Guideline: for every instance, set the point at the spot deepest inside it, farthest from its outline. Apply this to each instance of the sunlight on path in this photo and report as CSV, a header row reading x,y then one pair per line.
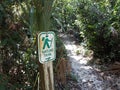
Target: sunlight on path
x,y
87,78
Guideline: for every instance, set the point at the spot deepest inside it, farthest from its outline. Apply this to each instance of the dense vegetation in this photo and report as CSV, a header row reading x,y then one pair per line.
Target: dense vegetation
x,y
96,21
20,22
19,68
100,23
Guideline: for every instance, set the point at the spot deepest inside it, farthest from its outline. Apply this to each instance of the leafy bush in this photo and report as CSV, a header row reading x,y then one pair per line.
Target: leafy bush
x,y
99,23
19,22
18,68
64,14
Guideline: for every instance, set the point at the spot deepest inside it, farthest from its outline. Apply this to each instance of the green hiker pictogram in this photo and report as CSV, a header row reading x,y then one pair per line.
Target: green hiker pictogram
x,y
47,46
46,42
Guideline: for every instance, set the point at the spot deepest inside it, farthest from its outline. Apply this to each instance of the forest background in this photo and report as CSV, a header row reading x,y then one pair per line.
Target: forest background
x,y
96,23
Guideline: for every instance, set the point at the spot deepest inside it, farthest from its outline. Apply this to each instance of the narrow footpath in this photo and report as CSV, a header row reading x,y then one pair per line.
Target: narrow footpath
x,y
87,76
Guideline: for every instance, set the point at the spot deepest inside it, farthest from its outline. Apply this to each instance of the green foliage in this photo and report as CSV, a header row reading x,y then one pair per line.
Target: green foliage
x,y
20,21
99,23
64,14
18,67
73,77
3,82
78,52
61,51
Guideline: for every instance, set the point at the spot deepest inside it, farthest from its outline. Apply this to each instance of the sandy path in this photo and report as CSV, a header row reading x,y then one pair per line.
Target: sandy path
x,y
87,77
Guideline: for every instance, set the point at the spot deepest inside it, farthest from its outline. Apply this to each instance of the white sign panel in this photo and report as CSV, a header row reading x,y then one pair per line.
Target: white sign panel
x,y
46,46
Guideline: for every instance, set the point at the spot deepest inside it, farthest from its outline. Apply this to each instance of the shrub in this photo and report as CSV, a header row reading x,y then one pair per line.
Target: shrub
x,y
100,25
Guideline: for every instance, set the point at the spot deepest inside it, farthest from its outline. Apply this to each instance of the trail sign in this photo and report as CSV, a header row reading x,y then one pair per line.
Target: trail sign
x,y
46,46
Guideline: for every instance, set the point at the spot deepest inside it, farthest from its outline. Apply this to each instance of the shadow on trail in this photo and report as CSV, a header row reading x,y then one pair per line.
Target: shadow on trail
x,y
88,78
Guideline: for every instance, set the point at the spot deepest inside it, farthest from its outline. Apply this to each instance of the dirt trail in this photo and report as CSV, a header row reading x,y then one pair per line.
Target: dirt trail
x,y
88,78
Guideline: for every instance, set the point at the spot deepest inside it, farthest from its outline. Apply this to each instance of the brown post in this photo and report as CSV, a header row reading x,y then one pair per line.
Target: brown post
x,y
42,16
46,76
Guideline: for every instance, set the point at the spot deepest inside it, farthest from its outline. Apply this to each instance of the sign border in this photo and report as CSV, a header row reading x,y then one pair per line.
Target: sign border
x,y
39,54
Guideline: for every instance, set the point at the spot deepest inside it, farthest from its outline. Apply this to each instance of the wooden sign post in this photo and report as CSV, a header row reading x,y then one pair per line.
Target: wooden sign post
x,y
47,53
